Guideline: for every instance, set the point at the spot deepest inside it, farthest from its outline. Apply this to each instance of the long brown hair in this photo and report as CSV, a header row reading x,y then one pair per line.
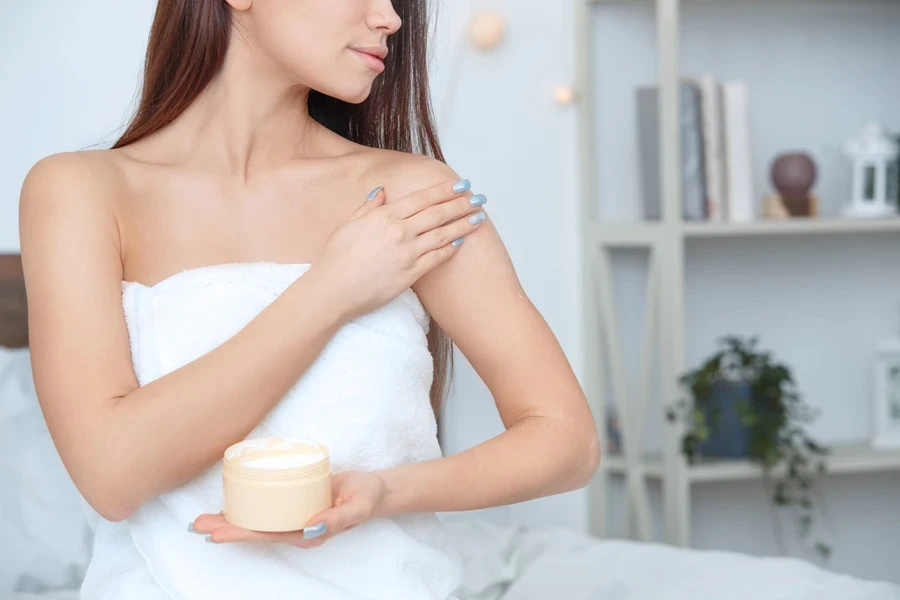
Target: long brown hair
x,y
186,49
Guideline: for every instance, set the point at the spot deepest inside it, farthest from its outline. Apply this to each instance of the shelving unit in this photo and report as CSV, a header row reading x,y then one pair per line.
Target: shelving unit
x,y
663,338
644,234
854,458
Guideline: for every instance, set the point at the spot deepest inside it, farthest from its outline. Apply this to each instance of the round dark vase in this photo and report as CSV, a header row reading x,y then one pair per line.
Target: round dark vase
x,y
793,175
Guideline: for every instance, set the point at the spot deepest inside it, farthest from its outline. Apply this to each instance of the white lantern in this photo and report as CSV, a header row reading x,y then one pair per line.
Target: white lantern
x,y
874,156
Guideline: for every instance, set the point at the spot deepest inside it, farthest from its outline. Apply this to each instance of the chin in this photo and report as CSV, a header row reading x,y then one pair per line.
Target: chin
x,y
356,96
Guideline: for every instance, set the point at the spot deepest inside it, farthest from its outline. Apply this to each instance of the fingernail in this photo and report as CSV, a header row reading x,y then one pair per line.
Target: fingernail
x,y
314,530
457,242
210,540
476,218
191,528
374,193
461,186
477,200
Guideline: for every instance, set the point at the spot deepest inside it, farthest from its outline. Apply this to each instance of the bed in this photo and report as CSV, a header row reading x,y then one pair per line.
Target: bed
x,y
45,542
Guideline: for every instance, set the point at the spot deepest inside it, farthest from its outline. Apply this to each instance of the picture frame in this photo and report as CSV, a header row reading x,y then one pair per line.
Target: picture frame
x,y
886,426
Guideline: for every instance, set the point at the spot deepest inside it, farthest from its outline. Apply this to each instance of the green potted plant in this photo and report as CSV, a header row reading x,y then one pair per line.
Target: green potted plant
x,y
745,404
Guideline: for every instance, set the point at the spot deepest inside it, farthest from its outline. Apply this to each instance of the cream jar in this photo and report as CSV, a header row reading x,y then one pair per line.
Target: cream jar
x,y
275,484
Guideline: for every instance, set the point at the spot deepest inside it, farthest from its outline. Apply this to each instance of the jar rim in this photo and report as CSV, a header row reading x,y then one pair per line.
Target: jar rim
x,y
237,454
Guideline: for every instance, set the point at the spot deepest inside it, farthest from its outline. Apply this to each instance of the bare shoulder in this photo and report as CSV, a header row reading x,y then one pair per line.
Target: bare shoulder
x,y
70,192
71,178
402,173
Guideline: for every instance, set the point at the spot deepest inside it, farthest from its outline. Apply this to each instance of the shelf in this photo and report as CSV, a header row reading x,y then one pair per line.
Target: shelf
x,y
665,36
627,234
637,234
795,226
651,466
858,458
601,2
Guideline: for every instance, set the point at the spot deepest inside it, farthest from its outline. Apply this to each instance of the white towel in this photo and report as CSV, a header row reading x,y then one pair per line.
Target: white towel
x,y
365,397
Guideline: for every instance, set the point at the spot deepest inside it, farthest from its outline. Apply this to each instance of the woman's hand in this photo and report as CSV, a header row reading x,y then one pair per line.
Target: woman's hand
x,y
357,496
384,248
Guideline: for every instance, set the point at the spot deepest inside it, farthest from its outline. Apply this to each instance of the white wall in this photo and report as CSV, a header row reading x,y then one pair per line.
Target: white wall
x,y
69,72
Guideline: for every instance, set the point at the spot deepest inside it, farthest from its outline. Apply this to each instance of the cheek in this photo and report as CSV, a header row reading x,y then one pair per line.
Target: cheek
x,y
293,35
309,39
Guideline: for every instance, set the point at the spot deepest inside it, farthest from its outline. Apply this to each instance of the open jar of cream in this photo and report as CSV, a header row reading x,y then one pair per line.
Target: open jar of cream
x,y
275,484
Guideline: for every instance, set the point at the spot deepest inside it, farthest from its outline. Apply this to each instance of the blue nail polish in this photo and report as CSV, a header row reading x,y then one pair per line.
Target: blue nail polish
x,y
210,540
457,242
476,218
477,200
191,528
374,193
314,530
461,186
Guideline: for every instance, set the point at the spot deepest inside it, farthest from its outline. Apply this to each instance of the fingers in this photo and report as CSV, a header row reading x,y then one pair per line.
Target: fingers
x,y
344,515
438,245
440,237
373,200
433,258
220,531
208,522
348,510
439,214
233,533
422,199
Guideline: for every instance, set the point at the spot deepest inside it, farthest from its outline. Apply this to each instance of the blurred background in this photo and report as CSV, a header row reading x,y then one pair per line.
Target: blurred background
x,y
663,175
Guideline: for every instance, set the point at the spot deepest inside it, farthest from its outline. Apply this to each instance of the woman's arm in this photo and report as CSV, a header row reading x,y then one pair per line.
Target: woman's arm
x,y
550,444
122,443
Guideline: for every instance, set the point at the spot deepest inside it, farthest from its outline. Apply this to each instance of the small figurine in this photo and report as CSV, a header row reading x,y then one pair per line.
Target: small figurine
x,y
793,175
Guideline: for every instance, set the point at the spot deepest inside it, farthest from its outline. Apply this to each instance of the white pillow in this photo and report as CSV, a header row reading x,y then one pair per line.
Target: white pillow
x,y
45,539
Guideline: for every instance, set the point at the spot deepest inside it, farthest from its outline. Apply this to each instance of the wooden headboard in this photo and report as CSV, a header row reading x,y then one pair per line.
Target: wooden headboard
x,y
13,309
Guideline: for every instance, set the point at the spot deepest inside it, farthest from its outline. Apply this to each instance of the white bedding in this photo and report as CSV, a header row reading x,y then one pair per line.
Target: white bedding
x,y
58,595
520,563
43,545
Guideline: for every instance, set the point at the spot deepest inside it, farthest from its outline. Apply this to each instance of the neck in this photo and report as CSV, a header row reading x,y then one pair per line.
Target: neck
x,y
250,118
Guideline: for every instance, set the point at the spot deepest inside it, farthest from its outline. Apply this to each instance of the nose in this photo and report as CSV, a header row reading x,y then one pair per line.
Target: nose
x,y
383,16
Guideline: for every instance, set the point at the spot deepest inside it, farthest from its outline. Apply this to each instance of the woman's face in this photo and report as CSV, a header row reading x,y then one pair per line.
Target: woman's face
x,y
323,44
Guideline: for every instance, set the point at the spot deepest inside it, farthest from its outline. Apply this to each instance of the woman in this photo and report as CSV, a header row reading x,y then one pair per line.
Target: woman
x,y
229,224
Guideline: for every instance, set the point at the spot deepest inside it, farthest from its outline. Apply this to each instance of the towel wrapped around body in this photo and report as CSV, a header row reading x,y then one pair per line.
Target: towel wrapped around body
x,y
365,397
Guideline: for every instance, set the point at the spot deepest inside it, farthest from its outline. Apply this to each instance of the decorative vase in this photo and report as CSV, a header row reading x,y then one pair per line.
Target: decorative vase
x,y
728,436
793,175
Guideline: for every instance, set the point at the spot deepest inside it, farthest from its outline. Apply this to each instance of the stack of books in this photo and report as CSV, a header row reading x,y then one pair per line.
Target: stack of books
x,y
716,170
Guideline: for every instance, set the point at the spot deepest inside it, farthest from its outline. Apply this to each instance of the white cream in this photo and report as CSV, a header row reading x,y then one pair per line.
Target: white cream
x,y
281,461
276,453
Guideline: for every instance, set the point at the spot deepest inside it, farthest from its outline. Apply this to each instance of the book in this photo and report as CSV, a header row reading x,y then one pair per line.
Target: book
x,y
713,146
693,176
739,186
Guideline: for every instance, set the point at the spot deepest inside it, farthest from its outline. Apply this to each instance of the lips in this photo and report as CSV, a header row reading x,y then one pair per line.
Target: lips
x,y
379,52
372,57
